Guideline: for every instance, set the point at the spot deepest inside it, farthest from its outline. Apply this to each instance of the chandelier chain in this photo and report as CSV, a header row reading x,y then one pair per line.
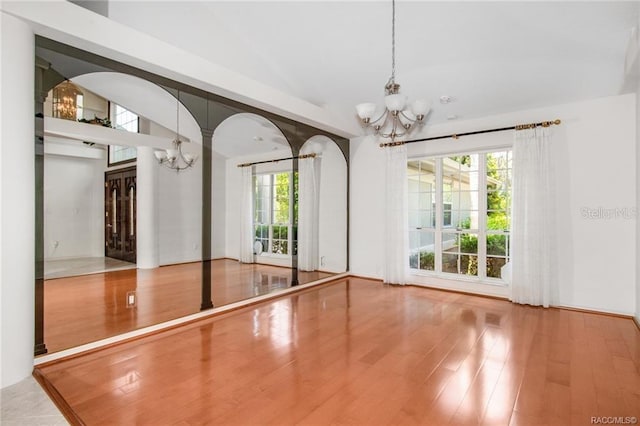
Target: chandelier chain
x,y
178,116
396,120
393,41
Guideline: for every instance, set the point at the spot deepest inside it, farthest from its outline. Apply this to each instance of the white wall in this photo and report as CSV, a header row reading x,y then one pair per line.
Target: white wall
x,y
218,206
637,199
332,210
17,205
179,207
73,207
596,167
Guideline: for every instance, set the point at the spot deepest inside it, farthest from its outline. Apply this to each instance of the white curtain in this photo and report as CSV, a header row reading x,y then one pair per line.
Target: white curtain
x,y
308,204
533,269
396,241
246,215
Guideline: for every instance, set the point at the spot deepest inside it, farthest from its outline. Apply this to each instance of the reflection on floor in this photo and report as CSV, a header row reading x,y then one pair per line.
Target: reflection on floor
x,y
87,308
59,268
361,353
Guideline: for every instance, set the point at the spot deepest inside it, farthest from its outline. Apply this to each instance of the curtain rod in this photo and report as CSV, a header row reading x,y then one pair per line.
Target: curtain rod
x,y
299,157
457,135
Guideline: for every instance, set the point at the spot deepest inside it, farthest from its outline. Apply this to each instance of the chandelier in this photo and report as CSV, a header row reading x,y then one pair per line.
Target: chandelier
x,y
174,158
65,100
395,121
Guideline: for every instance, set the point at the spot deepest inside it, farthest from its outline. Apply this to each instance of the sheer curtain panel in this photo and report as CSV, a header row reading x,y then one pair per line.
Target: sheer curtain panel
x,y
246,216
533,273
308,204
396,226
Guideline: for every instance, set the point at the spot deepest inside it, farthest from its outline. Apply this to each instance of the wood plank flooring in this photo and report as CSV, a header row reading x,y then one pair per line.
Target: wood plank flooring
x,y
87,308
360,353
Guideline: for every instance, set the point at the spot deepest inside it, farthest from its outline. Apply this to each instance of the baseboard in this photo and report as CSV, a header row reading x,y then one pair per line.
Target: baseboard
x,y
593,311
466,293
364,277
637,321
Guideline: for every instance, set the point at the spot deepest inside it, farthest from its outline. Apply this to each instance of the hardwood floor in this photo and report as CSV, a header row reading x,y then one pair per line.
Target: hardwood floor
x,y
87,308
358,352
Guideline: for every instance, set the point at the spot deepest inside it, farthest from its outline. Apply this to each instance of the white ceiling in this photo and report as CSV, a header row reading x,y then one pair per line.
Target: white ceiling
x,y
237,136
491,57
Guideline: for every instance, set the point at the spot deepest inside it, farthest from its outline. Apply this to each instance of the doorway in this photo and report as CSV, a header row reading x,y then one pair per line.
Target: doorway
x,y
120,214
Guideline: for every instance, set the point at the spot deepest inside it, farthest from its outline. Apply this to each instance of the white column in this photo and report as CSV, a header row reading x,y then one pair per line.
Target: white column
x,y
637,316
17,204
147,205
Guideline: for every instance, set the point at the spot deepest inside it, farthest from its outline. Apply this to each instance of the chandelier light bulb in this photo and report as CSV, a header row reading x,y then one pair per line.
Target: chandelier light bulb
x,y
366,110
172,154
420,107
395,102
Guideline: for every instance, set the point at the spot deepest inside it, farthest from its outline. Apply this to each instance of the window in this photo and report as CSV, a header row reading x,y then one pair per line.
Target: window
x,y
123,119
79,107
459,213
273,210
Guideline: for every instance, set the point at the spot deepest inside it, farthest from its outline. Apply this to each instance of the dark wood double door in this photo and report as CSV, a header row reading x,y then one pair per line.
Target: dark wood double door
x,y
120,214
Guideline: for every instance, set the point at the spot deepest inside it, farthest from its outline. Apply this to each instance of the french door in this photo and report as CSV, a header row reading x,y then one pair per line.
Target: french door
x,y
120,214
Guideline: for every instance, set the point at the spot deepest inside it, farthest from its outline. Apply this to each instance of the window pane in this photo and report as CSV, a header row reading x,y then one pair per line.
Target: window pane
x,y
121,153
424,260
421,241
414,200
449,240
280,239
459,212
461,243
426,200
498,245
494,265
422,250
427,219
272,213
465,219
281,198
460,264
498,220
447,214
125,119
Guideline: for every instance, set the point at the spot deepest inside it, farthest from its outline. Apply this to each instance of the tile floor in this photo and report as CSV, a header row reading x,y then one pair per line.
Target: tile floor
x,y
26,404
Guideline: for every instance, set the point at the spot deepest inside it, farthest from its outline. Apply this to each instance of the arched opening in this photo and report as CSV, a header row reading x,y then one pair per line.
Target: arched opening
x,y
112,215
210,112
322,207
253,209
